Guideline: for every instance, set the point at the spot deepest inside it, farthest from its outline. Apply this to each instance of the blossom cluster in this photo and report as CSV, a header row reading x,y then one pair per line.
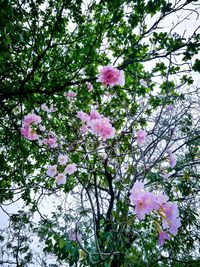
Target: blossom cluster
x,y
96,124
50,109
145,202
111,76
141,137
51,140
28,129
70,95
30,124
61,177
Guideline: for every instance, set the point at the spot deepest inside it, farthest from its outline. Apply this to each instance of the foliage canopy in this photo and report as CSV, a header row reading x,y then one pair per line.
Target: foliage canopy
x,y
51,47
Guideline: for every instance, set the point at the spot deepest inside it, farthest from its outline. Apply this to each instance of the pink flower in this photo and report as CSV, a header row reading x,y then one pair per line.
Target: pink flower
x,y
161,199
136,190
71,168
170,107
44,107
103,128
173,227
171,220
97,124
89,86
32,135
108,132
43,141
48,110
53,108
171,210
52,170
62,159
84,129
94,114
144,204
111,76
29,133
32,118
83,116
141,137
52,142
26,129
162,237
70,95
73,236
61,178
172,159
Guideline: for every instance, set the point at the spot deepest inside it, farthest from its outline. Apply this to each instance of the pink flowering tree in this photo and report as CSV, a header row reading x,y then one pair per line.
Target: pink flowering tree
x,y
100,134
